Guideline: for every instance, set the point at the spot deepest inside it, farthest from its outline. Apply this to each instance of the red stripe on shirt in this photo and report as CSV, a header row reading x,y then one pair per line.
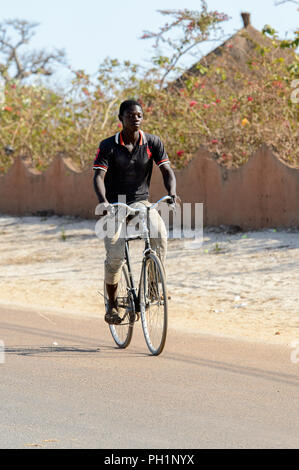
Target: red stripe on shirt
x,y
165,160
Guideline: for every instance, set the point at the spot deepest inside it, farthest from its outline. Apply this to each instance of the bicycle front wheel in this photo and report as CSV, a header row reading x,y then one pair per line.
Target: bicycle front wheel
x,y
122,333
153,304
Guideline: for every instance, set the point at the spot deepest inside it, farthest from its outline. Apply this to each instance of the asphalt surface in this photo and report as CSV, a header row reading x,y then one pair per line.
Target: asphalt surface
x,y
64,385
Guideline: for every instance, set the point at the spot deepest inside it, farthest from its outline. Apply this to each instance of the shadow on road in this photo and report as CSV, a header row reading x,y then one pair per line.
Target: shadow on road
x,y
51,351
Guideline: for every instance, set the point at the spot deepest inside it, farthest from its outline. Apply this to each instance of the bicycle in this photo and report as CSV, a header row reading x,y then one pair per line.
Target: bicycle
x,y
149,301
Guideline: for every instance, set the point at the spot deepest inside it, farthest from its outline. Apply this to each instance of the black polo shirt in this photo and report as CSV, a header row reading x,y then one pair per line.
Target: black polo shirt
x,y
128,173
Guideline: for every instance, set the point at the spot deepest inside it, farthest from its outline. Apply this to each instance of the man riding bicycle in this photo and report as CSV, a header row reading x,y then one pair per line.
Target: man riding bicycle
x,y
123,167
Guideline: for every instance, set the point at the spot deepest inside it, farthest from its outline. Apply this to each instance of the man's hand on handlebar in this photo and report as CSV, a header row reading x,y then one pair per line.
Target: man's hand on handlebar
x,y
174,200
103,209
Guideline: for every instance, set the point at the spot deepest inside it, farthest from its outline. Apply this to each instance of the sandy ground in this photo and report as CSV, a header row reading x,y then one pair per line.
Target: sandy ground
x,y
243,285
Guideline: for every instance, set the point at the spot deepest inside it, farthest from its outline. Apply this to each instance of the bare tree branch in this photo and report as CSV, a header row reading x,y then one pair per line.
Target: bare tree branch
x,y
280,2
185,32
17,65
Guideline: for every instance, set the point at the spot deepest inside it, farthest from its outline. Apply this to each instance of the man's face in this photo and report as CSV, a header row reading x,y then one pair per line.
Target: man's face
x,y
132,118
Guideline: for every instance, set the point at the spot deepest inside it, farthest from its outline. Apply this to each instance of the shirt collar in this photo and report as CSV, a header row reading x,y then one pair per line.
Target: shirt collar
x,y
142,140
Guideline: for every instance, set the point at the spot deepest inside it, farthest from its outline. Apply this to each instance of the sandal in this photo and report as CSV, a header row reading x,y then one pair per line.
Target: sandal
x,y
112,317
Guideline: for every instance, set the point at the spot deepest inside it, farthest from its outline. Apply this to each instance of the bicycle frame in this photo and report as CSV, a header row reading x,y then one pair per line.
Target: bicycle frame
x,y
147,249
136,296
144,216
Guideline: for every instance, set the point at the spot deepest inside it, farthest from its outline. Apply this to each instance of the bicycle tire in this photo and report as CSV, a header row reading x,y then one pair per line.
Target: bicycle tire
x,y
153,304
122,333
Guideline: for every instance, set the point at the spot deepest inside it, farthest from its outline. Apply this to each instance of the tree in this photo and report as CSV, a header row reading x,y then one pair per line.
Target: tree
x,y
229,110
18,64
187,30
286,43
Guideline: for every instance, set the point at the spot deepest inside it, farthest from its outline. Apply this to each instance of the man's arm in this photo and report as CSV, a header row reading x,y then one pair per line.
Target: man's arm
x,y
99,185
169,180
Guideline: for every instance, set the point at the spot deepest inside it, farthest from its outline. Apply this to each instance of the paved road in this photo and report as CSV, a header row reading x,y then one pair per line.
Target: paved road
x,y
202,392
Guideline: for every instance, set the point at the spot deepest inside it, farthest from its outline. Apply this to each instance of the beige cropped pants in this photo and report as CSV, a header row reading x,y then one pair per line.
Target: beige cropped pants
x,y
115,246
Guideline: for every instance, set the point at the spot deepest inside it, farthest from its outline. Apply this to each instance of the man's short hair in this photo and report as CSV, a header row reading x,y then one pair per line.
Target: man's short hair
x,y
128,104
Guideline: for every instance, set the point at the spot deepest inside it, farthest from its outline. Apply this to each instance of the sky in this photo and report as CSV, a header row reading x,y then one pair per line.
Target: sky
x,y
91,30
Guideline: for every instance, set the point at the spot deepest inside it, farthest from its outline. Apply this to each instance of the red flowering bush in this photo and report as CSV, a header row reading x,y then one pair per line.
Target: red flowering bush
x,y
229,113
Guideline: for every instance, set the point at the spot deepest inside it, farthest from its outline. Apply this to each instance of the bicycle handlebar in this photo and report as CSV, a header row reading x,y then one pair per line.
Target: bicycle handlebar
x,y
164,198
110,209
131,210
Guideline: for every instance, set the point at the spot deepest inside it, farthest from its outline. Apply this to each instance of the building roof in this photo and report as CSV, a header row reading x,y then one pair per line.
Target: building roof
x,y
236,53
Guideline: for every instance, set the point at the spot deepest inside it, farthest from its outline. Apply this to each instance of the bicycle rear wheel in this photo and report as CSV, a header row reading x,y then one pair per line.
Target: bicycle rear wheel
x,y
122,333
153,304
